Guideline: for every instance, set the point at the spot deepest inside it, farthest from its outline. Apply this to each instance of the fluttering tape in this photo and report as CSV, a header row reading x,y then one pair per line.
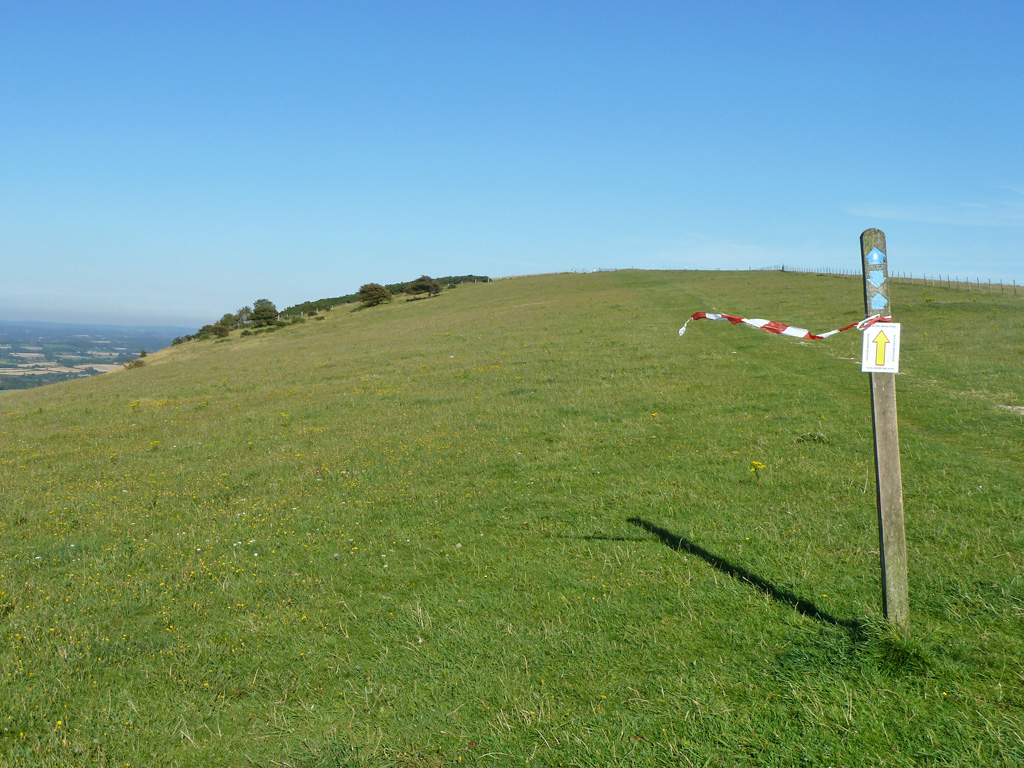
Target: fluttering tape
x,y
781,328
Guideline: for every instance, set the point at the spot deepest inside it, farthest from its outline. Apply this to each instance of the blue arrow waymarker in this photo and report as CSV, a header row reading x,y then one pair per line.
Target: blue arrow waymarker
x,y
876,257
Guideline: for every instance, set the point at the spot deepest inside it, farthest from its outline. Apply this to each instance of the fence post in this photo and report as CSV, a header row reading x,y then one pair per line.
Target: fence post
x,y
889,484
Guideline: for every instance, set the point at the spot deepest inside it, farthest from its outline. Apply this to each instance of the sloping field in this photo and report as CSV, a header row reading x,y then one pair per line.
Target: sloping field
x,y
522,521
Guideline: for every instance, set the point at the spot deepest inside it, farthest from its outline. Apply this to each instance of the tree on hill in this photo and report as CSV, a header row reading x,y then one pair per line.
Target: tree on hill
x,y
264,313
373,294
423,284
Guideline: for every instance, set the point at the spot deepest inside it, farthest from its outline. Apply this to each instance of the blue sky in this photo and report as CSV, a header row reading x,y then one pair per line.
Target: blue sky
x,y
166,162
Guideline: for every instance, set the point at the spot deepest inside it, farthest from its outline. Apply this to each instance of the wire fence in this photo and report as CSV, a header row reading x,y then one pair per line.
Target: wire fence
x,y
953,282
934,280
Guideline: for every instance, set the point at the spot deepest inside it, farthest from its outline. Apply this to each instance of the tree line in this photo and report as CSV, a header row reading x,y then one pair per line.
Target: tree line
x,y
308,307
263,316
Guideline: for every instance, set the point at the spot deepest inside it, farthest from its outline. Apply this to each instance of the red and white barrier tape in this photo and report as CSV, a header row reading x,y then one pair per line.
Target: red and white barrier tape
x,y
781,328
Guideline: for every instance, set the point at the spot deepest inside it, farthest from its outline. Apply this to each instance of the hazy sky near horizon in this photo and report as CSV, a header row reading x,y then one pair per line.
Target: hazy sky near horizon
x,y
166,162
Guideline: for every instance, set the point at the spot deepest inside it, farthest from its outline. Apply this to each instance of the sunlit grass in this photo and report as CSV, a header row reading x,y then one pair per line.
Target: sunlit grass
x,y
523,520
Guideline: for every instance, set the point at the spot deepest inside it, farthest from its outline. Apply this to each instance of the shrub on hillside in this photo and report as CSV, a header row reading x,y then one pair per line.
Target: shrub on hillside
x,y
372,294
264,313
423,284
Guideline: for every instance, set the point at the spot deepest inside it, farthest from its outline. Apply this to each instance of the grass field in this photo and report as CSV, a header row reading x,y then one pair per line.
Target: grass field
x,y
520,522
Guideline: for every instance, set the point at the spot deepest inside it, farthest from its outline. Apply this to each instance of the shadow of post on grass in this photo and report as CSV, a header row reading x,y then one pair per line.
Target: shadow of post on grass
x,y
805,607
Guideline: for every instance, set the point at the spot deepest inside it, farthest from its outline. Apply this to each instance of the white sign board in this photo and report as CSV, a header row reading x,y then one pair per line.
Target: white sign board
x,y
881,348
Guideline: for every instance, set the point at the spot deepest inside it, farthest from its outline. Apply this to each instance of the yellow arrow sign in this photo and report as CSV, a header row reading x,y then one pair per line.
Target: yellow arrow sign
x,y
885,357
881,340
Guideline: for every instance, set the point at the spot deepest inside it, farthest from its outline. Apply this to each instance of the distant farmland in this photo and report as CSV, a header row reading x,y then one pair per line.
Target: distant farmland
x,y
34,354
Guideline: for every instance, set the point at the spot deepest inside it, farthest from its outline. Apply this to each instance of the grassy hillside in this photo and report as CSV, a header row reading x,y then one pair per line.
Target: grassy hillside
x,y
522,520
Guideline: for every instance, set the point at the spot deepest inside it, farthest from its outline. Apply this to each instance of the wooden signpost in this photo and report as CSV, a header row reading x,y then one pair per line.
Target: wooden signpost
x,y
881,358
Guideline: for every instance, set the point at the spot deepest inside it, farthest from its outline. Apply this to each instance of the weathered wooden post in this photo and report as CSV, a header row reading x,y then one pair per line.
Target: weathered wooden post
x,y
891,536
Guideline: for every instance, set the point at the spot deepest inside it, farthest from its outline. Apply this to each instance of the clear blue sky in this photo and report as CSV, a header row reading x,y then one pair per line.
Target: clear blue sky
x,y
166,162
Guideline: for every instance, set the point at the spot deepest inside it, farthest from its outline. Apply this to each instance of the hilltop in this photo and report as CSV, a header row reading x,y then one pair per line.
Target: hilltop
x,y
523,519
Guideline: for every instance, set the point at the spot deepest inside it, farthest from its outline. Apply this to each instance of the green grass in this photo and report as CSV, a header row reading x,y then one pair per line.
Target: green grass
x,y
519,522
